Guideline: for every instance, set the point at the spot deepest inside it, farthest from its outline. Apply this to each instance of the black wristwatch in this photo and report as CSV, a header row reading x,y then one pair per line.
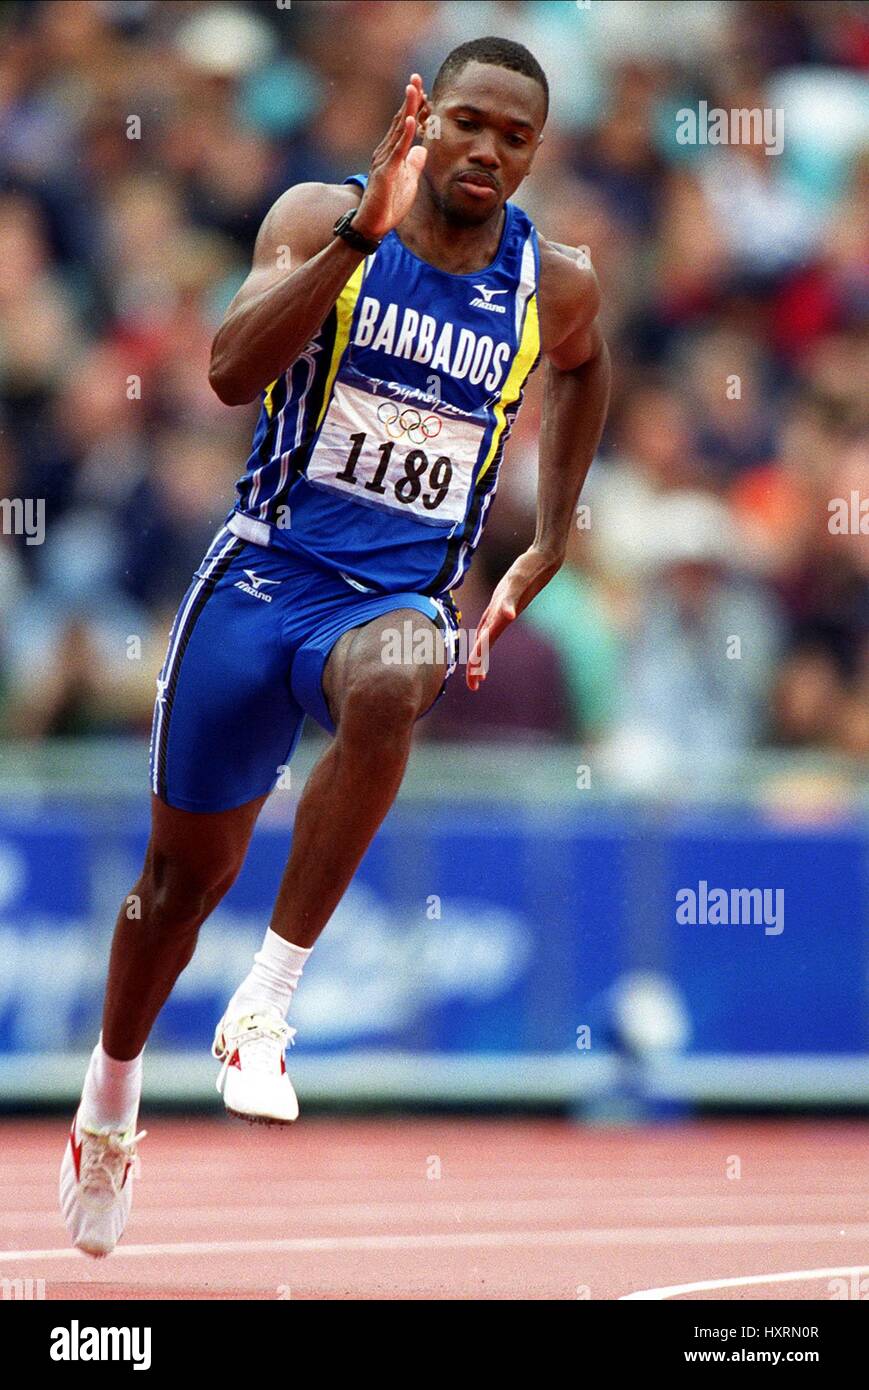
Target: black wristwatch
x,y
344,229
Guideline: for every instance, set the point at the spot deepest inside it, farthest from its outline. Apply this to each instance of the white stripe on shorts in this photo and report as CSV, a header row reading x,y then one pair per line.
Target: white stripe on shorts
x,y
174,643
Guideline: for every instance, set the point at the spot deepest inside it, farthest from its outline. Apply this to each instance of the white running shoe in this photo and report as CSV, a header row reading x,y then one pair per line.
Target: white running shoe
x,y
96,1185
253,1079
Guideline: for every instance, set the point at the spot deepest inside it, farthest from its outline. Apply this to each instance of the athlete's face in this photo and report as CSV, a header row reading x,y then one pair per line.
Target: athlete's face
x,y
481,135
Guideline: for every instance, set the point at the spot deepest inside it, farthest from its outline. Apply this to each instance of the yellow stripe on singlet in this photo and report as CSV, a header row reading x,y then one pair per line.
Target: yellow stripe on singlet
x,y
344,306
526,356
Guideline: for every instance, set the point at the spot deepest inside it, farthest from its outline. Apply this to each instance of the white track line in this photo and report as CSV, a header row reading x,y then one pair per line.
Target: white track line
x,y
688,1235
441,1208
674,1289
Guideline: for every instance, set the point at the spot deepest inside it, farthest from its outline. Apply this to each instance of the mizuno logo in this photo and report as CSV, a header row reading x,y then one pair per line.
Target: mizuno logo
x,y
486,301
257,582
487,293
255,587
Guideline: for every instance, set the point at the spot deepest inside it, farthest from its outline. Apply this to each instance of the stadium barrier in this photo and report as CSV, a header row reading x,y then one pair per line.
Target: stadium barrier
x,y
509,937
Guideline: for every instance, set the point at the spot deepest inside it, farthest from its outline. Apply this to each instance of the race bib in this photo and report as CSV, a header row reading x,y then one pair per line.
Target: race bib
x,y
387,453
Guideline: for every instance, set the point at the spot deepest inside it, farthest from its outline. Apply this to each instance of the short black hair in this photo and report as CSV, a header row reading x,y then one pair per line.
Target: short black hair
x,y
501,53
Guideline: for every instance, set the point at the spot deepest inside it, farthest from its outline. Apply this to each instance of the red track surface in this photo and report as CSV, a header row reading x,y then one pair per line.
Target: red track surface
x,y
521,1209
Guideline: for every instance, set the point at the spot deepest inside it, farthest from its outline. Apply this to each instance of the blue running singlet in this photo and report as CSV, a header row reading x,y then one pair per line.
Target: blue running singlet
x,y
377,452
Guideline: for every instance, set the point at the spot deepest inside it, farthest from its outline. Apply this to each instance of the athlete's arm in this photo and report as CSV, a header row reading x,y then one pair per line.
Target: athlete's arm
x,y
576,389
299,267
575,398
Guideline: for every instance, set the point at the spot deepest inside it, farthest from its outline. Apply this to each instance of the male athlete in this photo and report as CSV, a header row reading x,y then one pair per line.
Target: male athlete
x,y
389,326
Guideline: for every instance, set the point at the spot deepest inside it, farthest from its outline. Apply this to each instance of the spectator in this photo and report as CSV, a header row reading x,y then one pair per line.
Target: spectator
x,y
140,146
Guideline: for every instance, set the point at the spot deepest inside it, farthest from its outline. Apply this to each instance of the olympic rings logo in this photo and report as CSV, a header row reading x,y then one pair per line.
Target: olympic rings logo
x,y
397,422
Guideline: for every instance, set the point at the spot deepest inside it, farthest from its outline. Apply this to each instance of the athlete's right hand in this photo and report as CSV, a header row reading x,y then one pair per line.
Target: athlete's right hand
x,y
395,170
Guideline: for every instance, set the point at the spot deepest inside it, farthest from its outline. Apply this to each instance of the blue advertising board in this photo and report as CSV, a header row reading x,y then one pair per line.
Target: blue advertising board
x,y
470,929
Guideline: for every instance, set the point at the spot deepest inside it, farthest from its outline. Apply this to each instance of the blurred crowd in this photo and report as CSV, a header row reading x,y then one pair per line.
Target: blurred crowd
x,y
710,602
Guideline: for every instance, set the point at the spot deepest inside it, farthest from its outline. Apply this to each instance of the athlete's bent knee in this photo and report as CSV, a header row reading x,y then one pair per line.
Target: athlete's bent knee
x,y
382,701
183,893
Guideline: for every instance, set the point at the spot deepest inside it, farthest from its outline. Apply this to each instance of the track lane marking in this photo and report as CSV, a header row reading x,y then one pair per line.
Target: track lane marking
x,y
440,1208
689,1235
673,1290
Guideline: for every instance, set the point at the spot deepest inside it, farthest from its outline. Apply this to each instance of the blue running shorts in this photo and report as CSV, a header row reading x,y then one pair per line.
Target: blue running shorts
x,y
245,665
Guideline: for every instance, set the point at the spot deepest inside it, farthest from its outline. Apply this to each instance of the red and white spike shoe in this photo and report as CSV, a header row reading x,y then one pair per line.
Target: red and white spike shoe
x,y
253,1079
96,1185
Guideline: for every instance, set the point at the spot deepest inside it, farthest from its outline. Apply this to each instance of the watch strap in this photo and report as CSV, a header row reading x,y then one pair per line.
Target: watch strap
x,y
344,228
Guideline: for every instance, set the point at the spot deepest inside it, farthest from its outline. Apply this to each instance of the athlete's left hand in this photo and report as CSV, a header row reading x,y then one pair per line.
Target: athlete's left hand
x,y
528,574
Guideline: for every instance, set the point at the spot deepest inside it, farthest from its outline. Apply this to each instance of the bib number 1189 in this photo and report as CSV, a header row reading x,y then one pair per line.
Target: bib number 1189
x,y
407,487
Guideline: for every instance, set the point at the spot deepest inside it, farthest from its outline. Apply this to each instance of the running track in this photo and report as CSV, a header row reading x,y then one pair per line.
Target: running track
x,y
348,1208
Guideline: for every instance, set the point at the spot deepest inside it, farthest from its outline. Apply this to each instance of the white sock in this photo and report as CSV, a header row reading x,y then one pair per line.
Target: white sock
x,y
277,970
112,1089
